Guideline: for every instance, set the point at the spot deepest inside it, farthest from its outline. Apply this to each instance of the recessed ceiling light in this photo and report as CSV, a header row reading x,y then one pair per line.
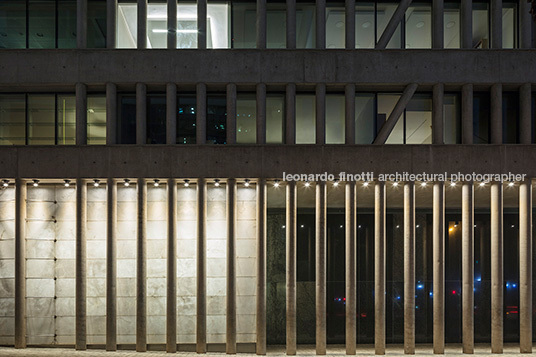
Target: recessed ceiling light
x,y
419,24
366,24
339,24
451,24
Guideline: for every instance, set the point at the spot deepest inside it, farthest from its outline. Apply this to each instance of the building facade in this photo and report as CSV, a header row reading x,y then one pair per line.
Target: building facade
x,y
144,154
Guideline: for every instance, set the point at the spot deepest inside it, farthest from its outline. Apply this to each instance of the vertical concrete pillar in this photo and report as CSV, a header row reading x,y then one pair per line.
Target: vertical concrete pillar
x,y
171,297
439,267
201,318
466,18
172,24
111,24
81,114
320,113
230,336
525,25
350,25
525,266
496,120
141,114
171,114
261,266
320,24
468,259
111,266
81,24
261,24
525,113
201,24
231,113
497,284
437,112
111,114
290,115
379,268
291,24
349,130
80,270
201,115
142,24
409,267
261,113
141,269
438,12
467,114
496,24
350,261
20,263
321,242
291,247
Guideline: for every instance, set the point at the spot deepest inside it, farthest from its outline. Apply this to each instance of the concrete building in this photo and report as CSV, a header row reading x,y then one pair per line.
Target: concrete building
x,y
143,147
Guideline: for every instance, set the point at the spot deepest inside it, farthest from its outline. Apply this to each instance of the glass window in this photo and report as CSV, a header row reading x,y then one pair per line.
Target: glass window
x,y
127,120
335,113
509,25
365,120
275,104
276,25
419,26
67,24
335,25
305,119
13,24
510,115
187,25
66,128
418,123
42,23
12,120
481,117
127,25
186,119
244,25
365,21
386,104
41,117
305,25
480,25
452,26
218,26
156,119
216,119
246,119
384,12
157,28
451,119
96,24
96,120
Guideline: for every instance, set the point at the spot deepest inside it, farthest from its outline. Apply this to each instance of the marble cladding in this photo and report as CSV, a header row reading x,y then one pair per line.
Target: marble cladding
x,y
7,264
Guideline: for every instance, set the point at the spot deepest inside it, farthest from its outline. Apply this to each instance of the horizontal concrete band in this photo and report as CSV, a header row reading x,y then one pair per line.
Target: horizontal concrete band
x,y
260,161
23,68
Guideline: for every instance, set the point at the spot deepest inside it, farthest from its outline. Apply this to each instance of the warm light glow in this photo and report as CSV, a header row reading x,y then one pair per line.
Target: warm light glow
x,y
511,184
96,183
336,183
156,183
452,184
451,229
67,183
276,183
5,183
482,184
217,183
127,182
186,183
35,183
395,184
307,184
246,183
423,184
365,183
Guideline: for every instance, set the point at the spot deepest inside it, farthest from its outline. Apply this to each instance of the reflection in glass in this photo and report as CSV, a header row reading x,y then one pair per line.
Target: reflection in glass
x,y
12,119
186,119
246,119
365,24
481,117
509,25
335,118
305,25
42,23
41,117
451,23
305,119
386,104
66,129
365,121
480,25
13,24
67,24
335,25
96,24
216,119
419,26
418,123
275,104
127,121
156,119
383,15
276,25
96,120
451,119
244,25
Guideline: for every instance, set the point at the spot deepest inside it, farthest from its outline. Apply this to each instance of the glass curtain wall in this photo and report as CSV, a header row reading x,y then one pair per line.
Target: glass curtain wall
x,y
13,119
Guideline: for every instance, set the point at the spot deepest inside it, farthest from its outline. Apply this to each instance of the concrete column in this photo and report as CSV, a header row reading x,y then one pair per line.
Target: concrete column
x,y
525,113
231,113
172,24
496,23
290,117
320,24
201,318
230,345
525,266
261,24
171,297
20,263
320,113
468,275
291,24
291,247
111,266
142,24
201,114
81,114
349,130
81,264
141,114
111,114
525,25
350,262
261,113
466,18
201,24
439,267
438,12
350,27
409,268
320,252
497,284
496,120
171,114
437,112
379,268
141,269
261,266
390,29
467,114
111,27
81,24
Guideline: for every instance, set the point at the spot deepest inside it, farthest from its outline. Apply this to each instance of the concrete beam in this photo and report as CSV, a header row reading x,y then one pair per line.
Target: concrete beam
x,y
261,113
390,29
261,24
438,13
466,28
525,266
438,95
349,22
201,288
81,114
497,270
320,24
525,25
231,113
20,263
201,24
349,108
291,24
290,114
141,113
142,24
171,114
467,114
111,114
